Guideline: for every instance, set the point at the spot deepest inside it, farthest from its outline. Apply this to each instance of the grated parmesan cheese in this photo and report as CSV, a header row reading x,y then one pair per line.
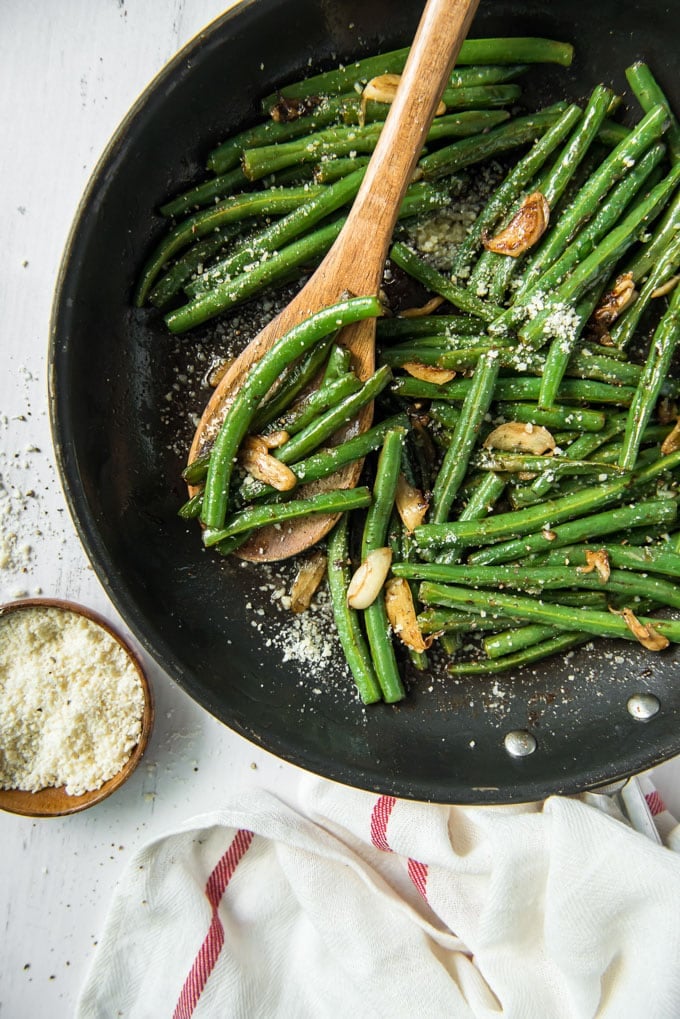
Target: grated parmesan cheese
x,y
71,702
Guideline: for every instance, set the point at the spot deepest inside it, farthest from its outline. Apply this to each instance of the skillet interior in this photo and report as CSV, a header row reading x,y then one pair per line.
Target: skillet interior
x,y
112,366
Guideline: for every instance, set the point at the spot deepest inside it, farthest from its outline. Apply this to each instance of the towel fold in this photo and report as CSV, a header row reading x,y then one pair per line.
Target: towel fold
x,y
358,905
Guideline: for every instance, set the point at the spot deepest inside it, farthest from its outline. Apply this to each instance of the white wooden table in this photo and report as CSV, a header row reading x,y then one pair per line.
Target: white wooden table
x,y
69,70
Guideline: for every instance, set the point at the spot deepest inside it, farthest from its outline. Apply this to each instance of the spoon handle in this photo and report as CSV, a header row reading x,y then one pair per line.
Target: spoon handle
x,y
442,29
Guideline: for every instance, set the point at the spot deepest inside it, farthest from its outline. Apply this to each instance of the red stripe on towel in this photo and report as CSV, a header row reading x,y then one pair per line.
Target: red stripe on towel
x,y
210,949
418,874
655,803
379,818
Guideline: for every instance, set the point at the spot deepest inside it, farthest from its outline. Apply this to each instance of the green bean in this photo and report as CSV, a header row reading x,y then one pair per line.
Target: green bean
x,y
609,214
465,357
536,579
497,140
561,349
374,537
257,384
509,642
427,325
191,509
507,51
554,181
416,267
228,154
339,363
648,256
293,380
454,621
345,140
352,639
305,249
648,559
664,343
330,170
522,388
624,328
206,192
599,262
275,201
650,94
283,231
612,133
511,188
599,624
455,462
476,97
518,523
615,166
655,511
557,466
322,427
484,497
521,658
191,261
253,517
317,403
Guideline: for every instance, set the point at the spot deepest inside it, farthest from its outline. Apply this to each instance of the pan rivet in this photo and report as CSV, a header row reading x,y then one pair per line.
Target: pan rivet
x,y
519,743
643,706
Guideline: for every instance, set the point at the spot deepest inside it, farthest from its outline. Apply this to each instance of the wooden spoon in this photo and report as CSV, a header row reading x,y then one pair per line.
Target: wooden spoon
x,y
355,262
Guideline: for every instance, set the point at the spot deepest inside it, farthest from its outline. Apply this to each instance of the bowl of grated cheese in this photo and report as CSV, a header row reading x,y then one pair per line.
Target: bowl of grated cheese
x,y
76,710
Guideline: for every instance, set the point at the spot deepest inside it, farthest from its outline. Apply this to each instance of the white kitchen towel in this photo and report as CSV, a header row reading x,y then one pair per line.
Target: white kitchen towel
x,y
364,905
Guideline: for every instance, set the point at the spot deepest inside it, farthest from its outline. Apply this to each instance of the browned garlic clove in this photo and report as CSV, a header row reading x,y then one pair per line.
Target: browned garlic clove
x,y
402,615
622,294
525,228
429,372
255,458
285,110
520,437
411,504
643,632
306,583
368,579
383,88
598,561
672,441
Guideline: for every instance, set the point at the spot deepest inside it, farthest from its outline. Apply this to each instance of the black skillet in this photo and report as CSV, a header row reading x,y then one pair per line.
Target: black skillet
x,y
112,368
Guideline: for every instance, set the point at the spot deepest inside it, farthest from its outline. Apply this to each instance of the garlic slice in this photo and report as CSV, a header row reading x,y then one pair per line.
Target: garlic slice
x,y
411,504
429,372
367,581
644,633
520,437
672,441
525,228
614,302
666,287
423,310
598,561
383,88
254,456
306,583
401,613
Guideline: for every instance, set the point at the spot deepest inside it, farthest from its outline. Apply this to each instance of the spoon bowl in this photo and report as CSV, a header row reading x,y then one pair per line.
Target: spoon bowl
x,y
355,263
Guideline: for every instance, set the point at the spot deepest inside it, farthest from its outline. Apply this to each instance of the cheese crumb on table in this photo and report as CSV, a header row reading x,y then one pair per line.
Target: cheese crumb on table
x,y
71,701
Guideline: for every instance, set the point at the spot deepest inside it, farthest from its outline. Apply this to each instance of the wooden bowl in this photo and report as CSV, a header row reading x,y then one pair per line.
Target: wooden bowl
x,y
55,801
